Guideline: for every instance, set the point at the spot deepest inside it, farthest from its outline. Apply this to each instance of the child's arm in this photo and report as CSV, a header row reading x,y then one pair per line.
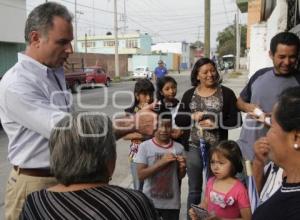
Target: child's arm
x,y
133,136
246,213
181,166
203,205
145,171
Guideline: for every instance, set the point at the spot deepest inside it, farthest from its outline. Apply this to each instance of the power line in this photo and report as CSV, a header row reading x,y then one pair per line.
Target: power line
x,y
86,6
225,11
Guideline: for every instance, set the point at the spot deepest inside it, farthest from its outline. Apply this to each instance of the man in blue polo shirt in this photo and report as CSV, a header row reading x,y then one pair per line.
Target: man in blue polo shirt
x,y
161,70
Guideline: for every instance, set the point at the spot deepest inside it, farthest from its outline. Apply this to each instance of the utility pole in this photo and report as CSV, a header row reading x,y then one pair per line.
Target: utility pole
x,y
75,28
117,75
125,17
85,42
238,41
93,18
207,28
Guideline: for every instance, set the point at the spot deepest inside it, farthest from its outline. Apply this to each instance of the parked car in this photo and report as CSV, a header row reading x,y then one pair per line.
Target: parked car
x,y
73,80
95,75
142,72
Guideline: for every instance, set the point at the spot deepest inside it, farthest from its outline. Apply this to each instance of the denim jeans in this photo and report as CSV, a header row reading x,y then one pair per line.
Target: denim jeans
x,y
137,184
194,172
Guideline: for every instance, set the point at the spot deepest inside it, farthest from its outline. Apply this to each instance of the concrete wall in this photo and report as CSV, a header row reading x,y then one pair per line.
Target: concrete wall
x,y
145,43
12,23
12,20
79,60
8,55
258,53
254,7
151,61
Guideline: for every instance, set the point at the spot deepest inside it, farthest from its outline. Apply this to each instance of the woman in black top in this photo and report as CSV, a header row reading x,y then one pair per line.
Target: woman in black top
x,y
206,112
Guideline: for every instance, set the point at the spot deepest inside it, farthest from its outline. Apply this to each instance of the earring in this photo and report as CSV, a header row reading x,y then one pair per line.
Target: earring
x,y
296,146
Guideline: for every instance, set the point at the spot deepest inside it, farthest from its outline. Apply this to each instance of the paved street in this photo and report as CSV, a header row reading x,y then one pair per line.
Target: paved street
x,y
97,97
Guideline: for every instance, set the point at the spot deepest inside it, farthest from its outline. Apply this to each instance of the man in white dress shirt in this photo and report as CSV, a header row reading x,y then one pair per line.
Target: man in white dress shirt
x,y
33,98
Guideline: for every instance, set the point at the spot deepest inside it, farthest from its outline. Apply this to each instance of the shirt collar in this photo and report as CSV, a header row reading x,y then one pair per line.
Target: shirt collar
x,y
37,66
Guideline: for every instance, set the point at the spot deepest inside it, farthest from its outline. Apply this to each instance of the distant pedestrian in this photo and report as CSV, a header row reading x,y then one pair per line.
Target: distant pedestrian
x,y
161,70
143,95
226,67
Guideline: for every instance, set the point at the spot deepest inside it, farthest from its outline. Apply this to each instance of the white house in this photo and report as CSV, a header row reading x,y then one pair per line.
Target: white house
x,y
135,43
182,48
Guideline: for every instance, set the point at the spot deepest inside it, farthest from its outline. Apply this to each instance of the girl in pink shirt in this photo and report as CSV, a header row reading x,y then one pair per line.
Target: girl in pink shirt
x,y
225,196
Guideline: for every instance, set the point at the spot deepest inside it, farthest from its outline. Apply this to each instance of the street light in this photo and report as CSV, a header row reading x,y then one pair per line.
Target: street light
x,y
117,75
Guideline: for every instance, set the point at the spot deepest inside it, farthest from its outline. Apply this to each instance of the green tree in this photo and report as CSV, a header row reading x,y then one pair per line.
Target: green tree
x,y
226,40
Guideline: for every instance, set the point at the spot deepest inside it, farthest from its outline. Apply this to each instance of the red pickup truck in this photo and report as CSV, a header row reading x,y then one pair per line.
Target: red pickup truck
x,y
73,80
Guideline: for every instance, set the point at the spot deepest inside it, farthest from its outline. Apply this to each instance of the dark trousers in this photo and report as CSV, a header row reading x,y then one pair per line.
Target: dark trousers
x,y
168,214
194,172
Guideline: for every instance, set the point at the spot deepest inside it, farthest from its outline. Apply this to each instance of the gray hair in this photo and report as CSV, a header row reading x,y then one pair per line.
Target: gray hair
x,y
40,18
81,146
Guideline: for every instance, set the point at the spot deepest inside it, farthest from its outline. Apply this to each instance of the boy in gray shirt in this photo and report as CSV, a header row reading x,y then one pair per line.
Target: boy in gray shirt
x,y
161,166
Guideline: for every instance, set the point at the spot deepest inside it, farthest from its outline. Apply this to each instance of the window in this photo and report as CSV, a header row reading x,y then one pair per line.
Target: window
x,y
131,43
109,43
88,44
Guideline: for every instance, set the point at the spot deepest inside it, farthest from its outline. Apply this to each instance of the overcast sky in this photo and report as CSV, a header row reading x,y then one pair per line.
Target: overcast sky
x,y
164,20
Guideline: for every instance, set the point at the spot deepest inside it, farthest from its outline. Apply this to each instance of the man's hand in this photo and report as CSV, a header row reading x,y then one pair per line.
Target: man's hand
x,y
257,114
146,120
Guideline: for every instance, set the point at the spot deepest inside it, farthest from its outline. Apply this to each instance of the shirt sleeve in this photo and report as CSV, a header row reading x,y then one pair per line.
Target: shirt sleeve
x,y
242,197
141,155
31,109
246,93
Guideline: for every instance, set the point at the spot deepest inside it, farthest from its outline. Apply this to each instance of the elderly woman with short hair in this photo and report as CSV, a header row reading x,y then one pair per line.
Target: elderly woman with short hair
x,y
83,156
284,142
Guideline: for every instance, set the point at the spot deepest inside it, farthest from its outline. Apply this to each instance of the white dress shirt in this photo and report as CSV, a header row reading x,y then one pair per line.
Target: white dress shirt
x,y
31,103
